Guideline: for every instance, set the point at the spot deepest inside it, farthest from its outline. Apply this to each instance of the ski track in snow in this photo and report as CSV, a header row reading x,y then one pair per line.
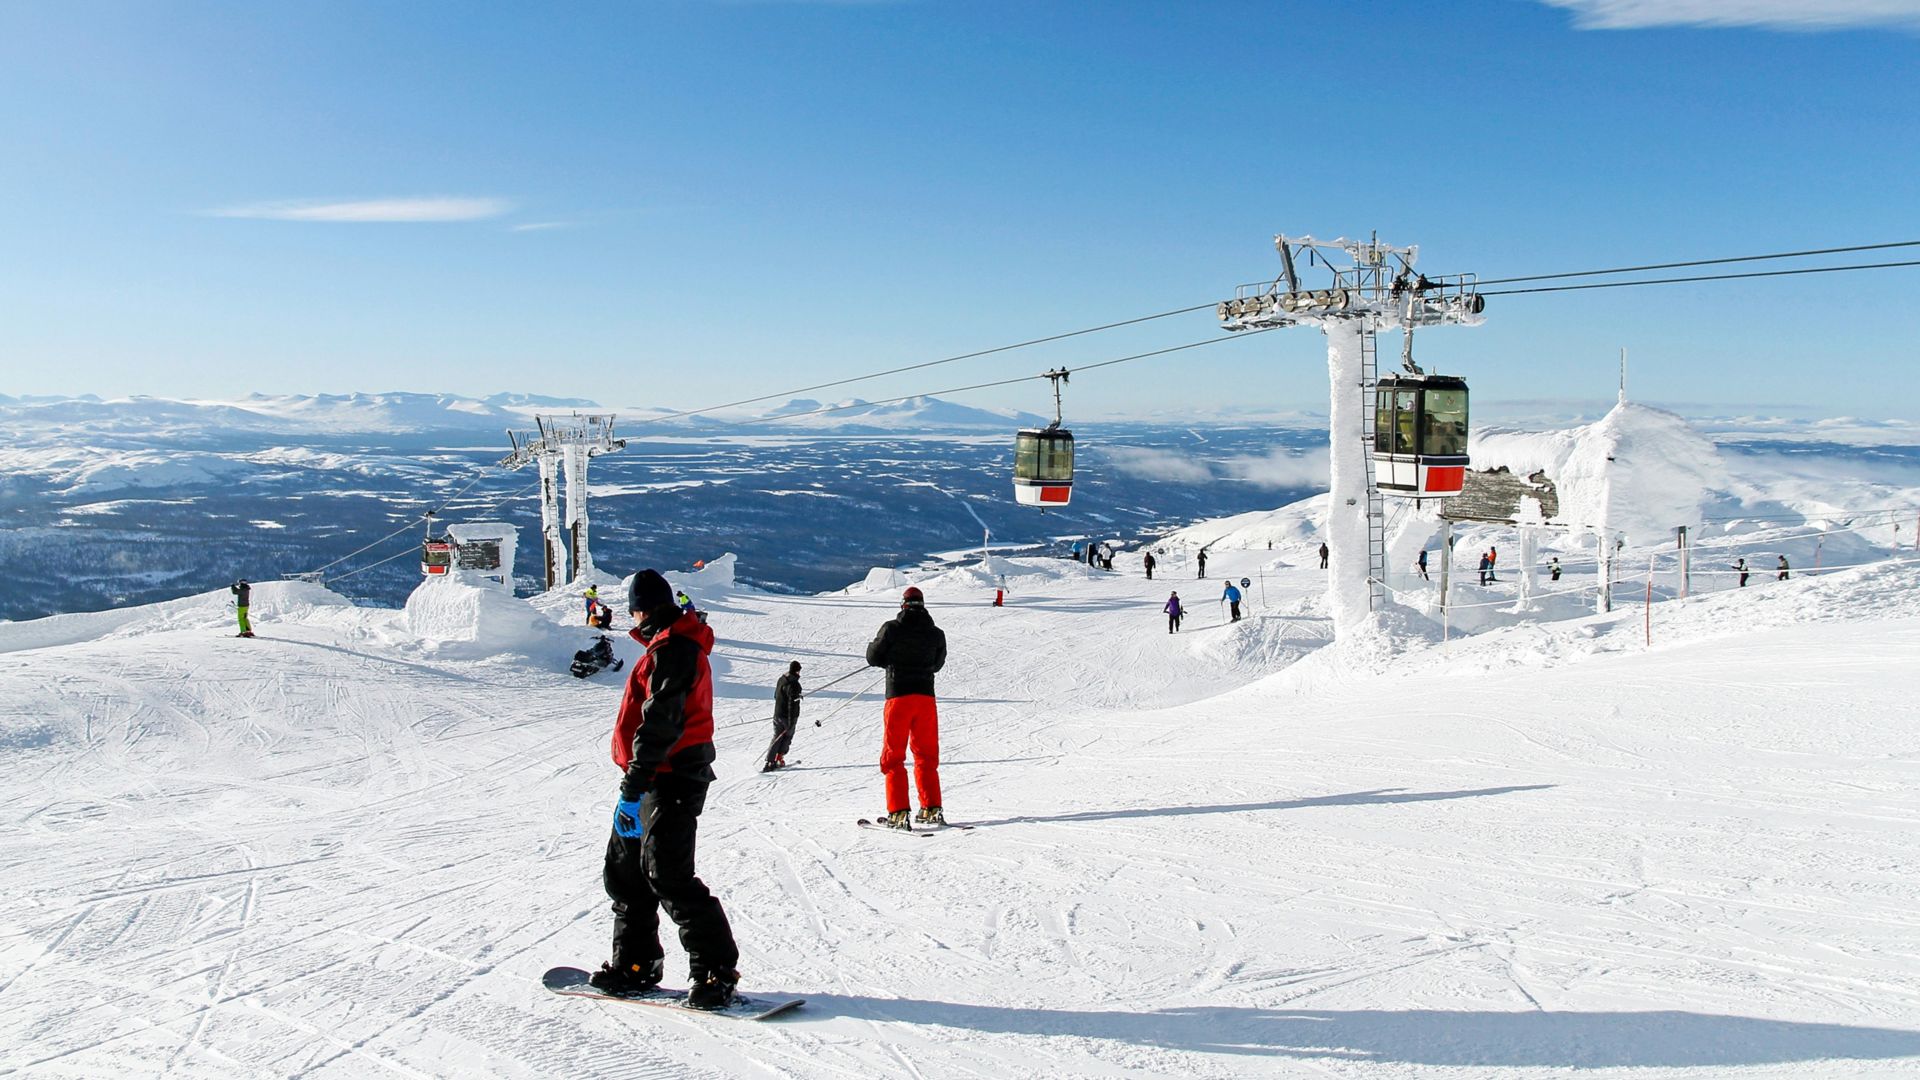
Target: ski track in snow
x,y
325,852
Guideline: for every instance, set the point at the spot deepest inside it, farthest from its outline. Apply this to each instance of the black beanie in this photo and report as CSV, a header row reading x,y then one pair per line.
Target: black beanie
x,y
794,667
648,591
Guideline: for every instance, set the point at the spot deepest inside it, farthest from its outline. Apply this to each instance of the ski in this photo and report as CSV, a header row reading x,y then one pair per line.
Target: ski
x,y
876,826
572,982
918,828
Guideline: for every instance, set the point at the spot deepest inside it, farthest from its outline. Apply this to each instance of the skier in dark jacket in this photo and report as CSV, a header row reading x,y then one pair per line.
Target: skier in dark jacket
x,y
1740,567
1783,568
1149,561
1324,552
663,745
242,593
912,649
1203,562
1421,563
1172,609
786,716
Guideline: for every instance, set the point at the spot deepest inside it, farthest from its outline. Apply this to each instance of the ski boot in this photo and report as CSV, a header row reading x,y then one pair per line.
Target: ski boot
x,y
629,980
930,815
898,820
711,991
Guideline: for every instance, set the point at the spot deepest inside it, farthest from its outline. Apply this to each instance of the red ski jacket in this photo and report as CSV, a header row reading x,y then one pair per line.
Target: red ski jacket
x,y
666,715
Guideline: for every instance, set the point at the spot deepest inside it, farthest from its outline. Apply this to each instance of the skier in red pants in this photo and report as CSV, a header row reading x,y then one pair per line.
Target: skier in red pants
x,y
911,648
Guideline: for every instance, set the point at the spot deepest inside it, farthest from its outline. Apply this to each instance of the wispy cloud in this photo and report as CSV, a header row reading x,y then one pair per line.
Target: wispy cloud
x,y
1281,468
537,226
1771,14
436,208
1154,464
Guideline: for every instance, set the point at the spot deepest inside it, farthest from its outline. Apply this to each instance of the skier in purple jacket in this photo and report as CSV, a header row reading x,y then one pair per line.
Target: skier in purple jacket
x,y
1173,612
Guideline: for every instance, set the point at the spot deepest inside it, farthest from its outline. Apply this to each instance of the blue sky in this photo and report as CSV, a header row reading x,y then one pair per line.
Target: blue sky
x,y
678,203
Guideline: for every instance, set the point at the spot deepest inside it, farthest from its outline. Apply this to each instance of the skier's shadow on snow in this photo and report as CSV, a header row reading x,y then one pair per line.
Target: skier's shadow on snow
x,y
1355,798
1532,1039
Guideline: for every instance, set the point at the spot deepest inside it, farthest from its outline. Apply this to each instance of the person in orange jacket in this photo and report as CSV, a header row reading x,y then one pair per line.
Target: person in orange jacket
x,y
912,649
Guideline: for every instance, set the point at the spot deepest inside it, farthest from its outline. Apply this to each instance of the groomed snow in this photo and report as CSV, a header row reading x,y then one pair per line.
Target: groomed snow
x,y
350,846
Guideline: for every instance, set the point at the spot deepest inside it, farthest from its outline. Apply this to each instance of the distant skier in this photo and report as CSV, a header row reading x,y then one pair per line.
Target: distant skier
x,y
242,593
1553,568
663,744
1077,557
1203,562
1486,569
786,717
912,649
1740,567
1173,612
1421,562
1493,562
1324,552
1149,561
1783,568
1232,597
685,601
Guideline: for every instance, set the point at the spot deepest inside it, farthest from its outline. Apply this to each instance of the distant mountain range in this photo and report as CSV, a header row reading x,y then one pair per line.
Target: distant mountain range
x,y
411,413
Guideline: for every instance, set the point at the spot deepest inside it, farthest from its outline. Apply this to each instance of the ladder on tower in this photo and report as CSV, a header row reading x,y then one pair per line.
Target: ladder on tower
x,y
1376,503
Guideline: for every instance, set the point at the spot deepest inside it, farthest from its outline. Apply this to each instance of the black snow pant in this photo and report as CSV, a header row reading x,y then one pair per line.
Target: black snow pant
x,y
1234,605
782,737
655,871
1173,623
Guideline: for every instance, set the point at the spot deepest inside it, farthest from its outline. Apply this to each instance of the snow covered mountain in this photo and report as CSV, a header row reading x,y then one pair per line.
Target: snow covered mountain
x,y
351,845
411,413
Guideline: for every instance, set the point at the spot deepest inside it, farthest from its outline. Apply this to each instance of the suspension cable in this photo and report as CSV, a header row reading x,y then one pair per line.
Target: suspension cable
x,y
1703,277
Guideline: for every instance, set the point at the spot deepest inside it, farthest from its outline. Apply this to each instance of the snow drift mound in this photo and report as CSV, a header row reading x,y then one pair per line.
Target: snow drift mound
x,y
457,619
272,601
880,579
1638,471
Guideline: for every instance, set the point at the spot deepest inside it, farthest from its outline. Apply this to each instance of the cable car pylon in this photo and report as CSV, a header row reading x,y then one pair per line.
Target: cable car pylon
x,y
1373,286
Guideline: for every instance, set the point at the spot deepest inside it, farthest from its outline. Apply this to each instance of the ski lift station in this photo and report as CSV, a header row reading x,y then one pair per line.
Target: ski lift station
x,y
480,550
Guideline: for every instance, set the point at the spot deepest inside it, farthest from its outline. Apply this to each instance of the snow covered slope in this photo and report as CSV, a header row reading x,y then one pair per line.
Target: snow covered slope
x,y
346,849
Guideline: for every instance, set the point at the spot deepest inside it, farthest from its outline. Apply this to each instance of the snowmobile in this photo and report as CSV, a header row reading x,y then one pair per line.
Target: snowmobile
x,y
596,657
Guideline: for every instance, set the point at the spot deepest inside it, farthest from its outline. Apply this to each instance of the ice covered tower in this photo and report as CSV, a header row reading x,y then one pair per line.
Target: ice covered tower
x,y
564,443
1361,288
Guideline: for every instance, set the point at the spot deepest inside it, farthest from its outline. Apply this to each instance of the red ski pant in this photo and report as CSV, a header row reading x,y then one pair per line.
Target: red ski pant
x,y
915,719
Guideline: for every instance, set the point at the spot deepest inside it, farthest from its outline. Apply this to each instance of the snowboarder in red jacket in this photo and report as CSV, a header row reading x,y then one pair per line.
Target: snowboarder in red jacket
x,y
911,648
663,745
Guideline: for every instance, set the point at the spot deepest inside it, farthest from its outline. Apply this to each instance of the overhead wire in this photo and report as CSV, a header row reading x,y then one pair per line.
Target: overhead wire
x,y
1702,262
1702,277
1005,382
925,364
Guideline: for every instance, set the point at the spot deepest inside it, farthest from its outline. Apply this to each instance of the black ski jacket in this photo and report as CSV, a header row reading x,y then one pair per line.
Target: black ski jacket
x,y
242,593
911,648
786,697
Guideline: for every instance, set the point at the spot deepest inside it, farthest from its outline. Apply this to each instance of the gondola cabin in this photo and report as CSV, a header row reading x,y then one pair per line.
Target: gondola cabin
x,y
1420,435
436,557
1043,466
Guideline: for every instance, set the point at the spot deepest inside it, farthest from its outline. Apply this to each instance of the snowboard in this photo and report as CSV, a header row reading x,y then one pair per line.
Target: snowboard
x,y
572,982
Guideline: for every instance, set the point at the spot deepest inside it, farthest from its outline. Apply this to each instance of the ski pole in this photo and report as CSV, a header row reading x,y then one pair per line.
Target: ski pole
x,y
856,697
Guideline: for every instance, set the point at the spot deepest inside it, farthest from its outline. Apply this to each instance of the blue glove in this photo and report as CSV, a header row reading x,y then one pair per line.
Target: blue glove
x,y
626,818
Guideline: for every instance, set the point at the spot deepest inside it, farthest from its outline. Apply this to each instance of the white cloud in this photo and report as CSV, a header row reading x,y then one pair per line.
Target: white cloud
x,y
1281,468
537,226
1772,14
440,208
1151,464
